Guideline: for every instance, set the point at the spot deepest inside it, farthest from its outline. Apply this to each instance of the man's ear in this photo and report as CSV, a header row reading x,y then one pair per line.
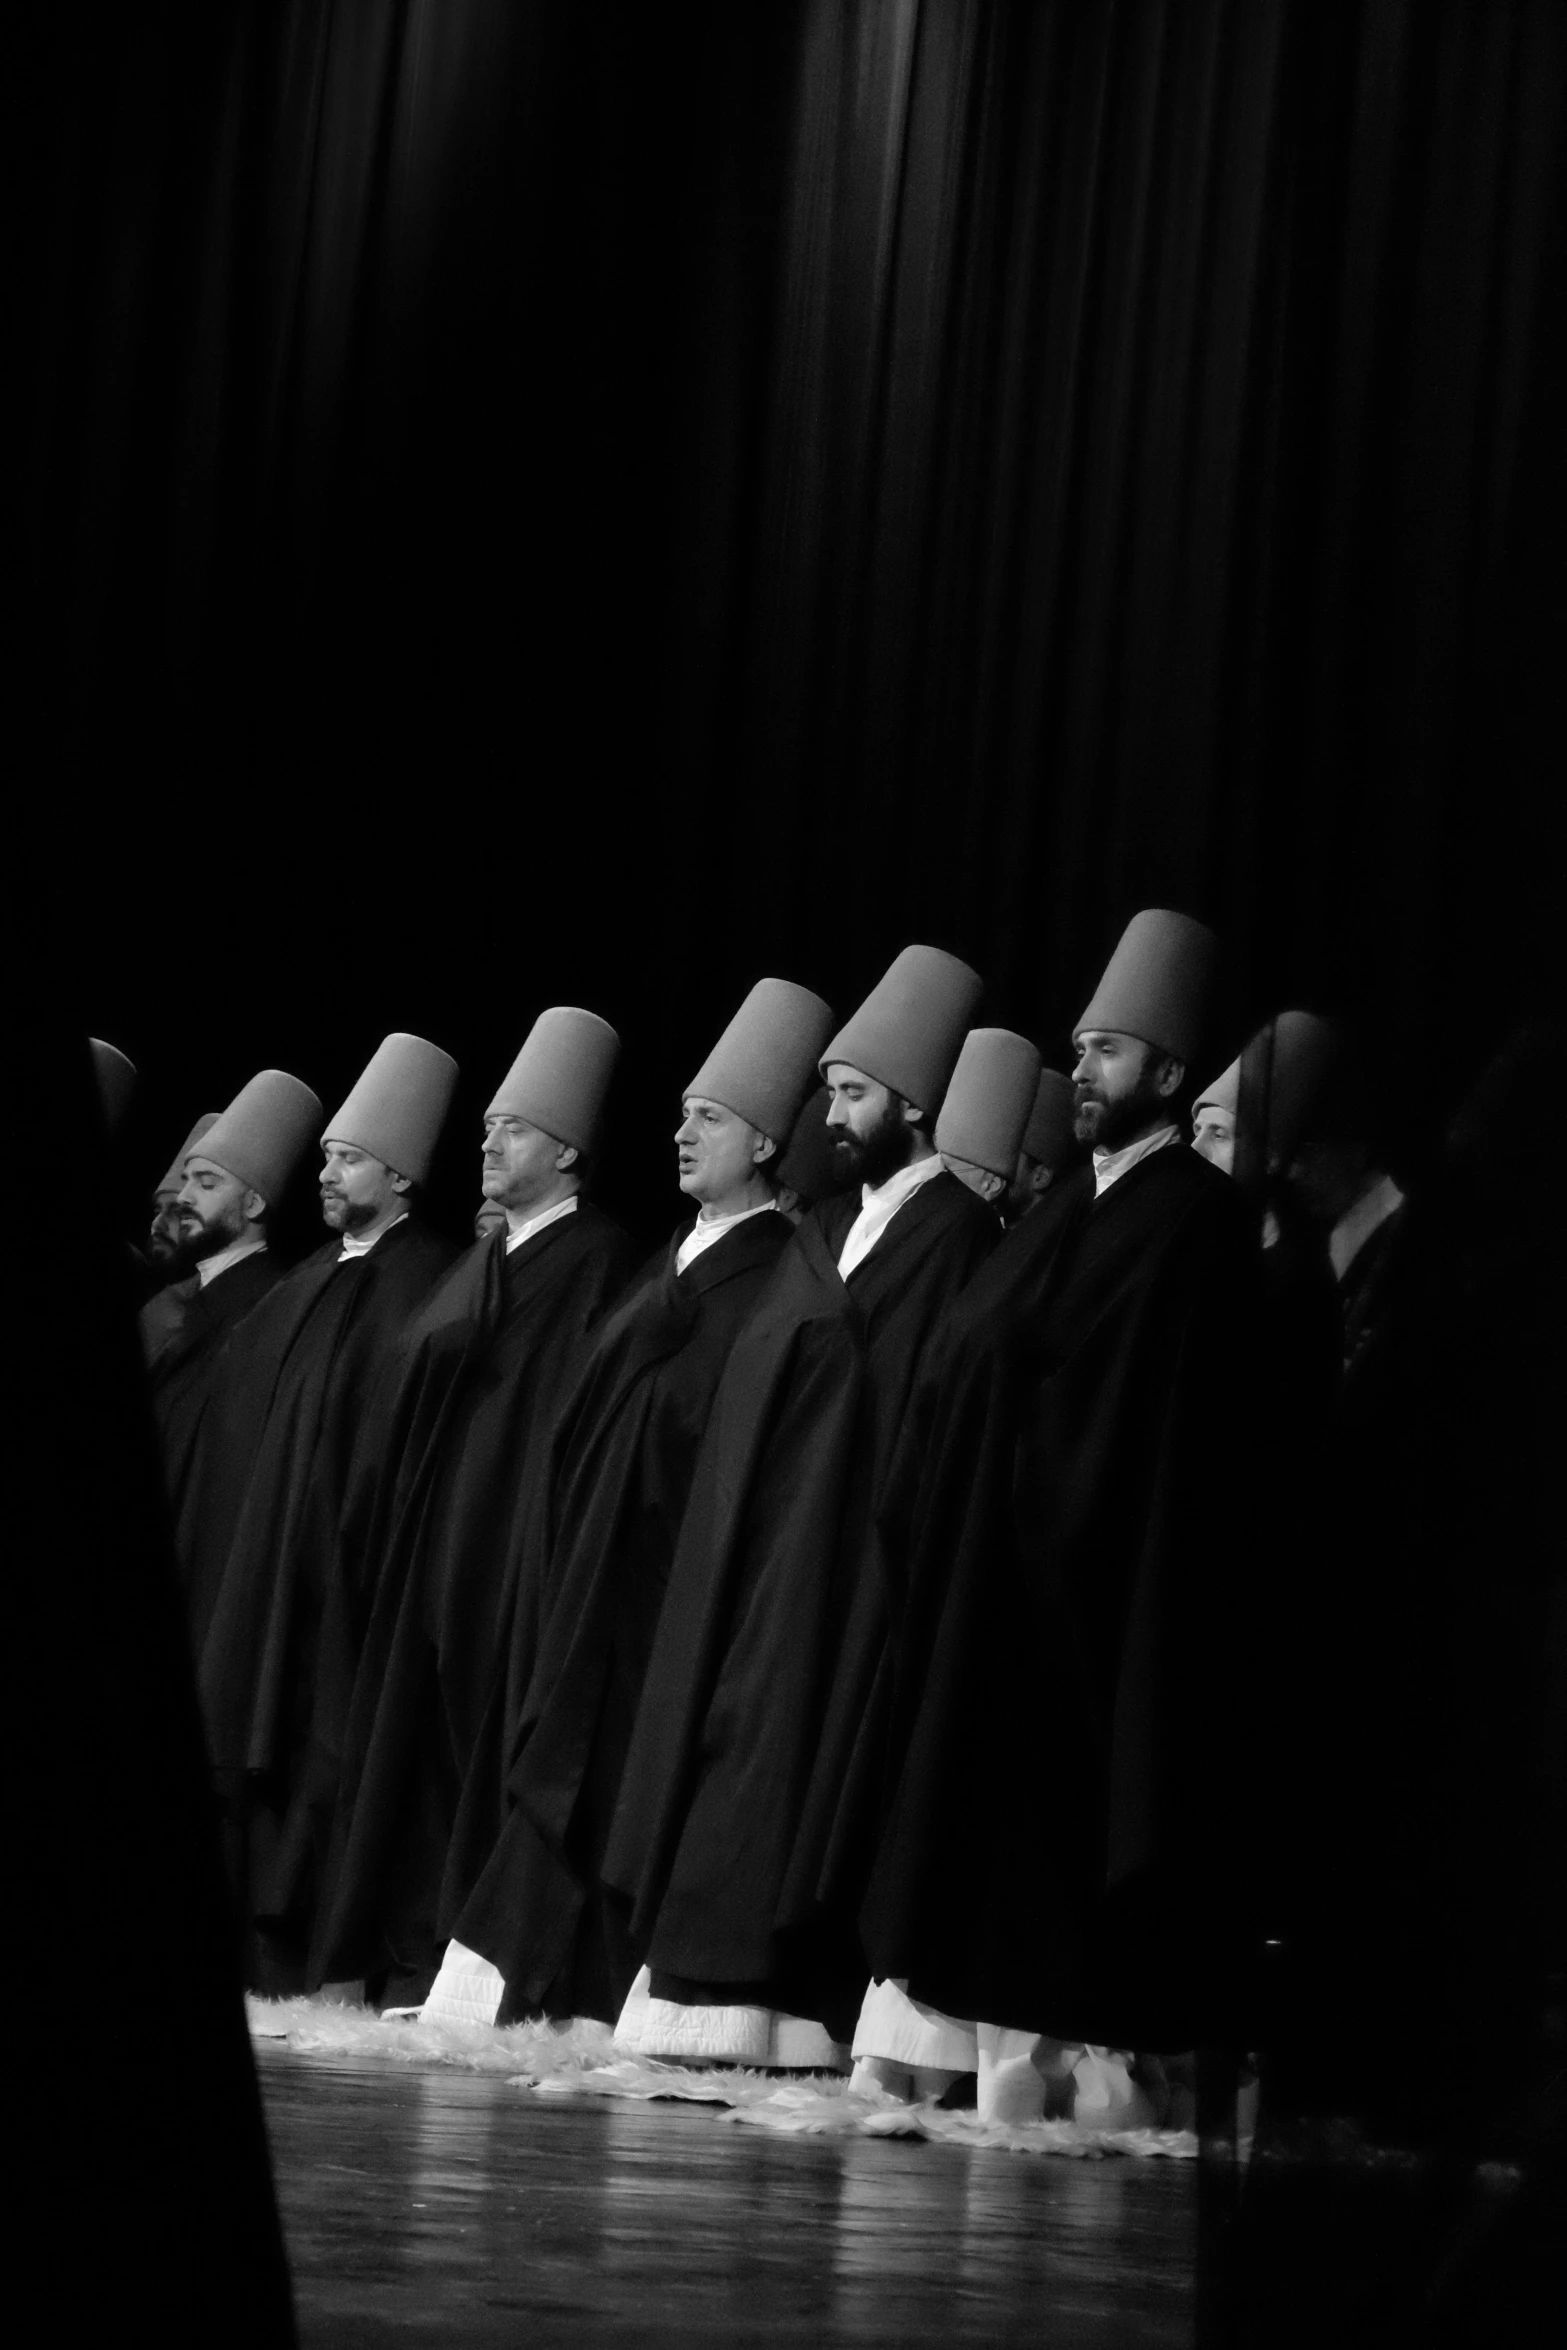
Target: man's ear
x,y
1042,1178
566,1156
1171,1077
763,1149
913,1115
992,1187
254,1205
402,1183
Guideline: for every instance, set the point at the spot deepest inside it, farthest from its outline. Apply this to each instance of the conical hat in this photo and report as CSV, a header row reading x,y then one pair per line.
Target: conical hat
x,y
560,1078
1306,1051
399,1105
265,1132
1223,1094
810,1167
763,1064
989,1100
910,1029
175,1177
1157,983
1048,1137
116,1081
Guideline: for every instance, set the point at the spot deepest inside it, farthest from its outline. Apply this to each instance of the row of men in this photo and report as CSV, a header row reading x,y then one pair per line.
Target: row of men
x,y
836,1601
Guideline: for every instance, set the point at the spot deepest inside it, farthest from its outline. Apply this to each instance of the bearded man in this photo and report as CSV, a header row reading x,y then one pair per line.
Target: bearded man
x,y
280,1657
168,1244
537,1927
245,1161
1065,1855
167,1251
737,1839
447,1463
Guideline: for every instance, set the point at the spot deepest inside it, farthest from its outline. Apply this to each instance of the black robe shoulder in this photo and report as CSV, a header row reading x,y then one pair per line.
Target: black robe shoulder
x,y
1066,1849
183,1375
620,1474
300,1385
771,1555
444,1468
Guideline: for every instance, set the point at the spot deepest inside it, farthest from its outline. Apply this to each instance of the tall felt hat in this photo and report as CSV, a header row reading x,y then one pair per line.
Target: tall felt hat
x,y
1157,983
399,1105
1223,1094
116,1081
560,1078
265,1132
1048,1136
810,1167
176,1174
989,1100
1306,1054
910,1029
763,1064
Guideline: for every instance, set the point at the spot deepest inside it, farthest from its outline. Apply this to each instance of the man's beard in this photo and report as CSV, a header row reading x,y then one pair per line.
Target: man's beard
x,y
1110,1126
873,1158
346,1215
168,1249
204,1240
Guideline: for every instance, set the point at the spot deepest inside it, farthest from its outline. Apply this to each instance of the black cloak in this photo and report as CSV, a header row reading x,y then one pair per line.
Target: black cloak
x,y
621,1471
766,1583
182,1374
447,1459
1069,1846
278,1661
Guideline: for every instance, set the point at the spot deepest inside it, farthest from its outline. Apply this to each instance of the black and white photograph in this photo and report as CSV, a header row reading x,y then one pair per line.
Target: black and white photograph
x,y
789,1061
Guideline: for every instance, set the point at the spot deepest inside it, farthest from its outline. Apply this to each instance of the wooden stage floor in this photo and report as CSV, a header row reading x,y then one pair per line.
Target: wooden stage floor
x,y
437,2207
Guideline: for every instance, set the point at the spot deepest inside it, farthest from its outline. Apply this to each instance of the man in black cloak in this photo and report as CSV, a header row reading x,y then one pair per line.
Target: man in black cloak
x,y
168,1252
536,1927
1064,1856
447,1459
774,1547
277,1666
244,1164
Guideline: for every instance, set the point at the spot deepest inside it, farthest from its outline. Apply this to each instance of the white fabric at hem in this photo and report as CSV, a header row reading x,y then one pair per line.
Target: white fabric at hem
x,y
468,1990
904,2031
677,2034
1015,2070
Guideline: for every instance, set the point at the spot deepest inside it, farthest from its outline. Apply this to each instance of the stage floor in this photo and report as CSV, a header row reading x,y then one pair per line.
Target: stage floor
x,y
436,2207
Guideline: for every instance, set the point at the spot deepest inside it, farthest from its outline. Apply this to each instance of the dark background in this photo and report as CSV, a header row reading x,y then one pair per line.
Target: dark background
x,y
523,503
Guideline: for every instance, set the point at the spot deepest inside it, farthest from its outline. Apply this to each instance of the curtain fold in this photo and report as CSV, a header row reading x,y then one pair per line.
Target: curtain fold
x,y
910,467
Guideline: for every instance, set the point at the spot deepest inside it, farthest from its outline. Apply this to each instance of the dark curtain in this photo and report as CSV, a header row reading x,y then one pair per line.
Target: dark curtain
x,y
522,503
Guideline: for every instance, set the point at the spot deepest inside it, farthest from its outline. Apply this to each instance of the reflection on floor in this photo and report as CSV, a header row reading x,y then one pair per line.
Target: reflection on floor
x,y
441,2207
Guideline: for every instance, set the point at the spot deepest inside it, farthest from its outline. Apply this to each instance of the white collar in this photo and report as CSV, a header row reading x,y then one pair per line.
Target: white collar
x,y
878,1207
235,1254
708,1228
562,1207
353,1247
1355,1227
1110,1166
899,1187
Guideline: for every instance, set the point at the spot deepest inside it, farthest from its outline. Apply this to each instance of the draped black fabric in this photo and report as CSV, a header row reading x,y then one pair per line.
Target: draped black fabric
x,y
279,1659
187,1412
446,1465
620,1473
1073,1839
1061,455
774,1554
